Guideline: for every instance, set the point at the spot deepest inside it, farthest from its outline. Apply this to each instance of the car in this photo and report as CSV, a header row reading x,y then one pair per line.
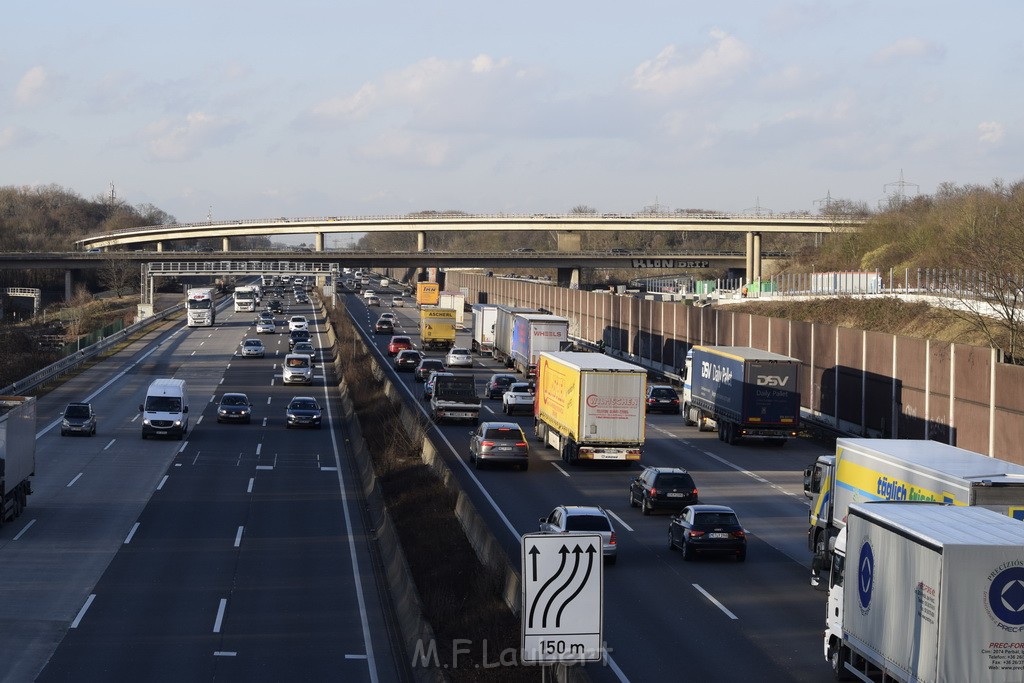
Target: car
x,y
499,442
372,300
267,316
705,529
275,306
660,488
297,336
234,407
264,327
498,384
298,322
427,366
78,418
383,326
428,386
662,398
252,348
301,298
407,360
388,316
398,343
397,302
367,293
297,369
458,357
583,518
303,411
305,348
518,398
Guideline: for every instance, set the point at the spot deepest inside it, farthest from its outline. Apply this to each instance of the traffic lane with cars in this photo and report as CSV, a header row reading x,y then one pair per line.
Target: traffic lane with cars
x,y
214,446
782,625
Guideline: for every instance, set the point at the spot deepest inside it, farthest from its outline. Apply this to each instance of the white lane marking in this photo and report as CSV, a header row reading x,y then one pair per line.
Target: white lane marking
x,y
224,653
183,446
663,431
213,397
24,529
196,458
220,615
324,468
268,403
192,354
264,467
109,444
717,604
259,447
752,475
81,612
488,409
620,520
248,489
238,536
199,420
221,381
128,538
272,380
136,417
162,482
355,656
559,468
72,482
264,422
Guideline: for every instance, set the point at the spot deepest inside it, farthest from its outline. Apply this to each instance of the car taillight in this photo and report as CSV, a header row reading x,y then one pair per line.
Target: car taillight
x,y
651,400
695,493
521,444
696,534
612,540
487,443
654,491
676,401
739,534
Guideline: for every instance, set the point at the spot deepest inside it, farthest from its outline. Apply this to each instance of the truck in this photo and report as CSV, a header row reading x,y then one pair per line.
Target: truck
x,y
437,328
504,324
245,298
589,406
455,301
904,470
742,392
455,398
483,317
427,293
936,595
533,334
201,306
17,453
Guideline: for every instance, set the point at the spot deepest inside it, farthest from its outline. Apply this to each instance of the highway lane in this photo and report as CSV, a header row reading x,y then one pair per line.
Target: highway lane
x,y
662,618
237,553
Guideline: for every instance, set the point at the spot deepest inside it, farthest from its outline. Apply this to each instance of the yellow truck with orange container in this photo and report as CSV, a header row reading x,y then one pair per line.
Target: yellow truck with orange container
x,y
427,293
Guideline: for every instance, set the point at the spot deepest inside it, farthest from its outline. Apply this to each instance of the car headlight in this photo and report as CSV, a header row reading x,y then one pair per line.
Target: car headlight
x,y
177,423
65,423
146,421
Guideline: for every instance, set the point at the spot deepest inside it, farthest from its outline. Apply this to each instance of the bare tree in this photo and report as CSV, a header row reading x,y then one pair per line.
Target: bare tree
x,y
76,313
117,273
583,209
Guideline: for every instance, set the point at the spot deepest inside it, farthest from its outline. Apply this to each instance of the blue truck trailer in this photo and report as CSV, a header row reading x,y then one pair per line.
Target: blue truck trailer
x,y
742,392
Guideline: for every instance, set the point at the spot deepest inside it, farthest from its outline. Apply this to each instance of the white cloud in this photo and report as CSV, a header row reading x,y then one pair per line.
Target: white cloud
x,y
424,150
13,137
172,140
907,49
669,73
991,132
32,86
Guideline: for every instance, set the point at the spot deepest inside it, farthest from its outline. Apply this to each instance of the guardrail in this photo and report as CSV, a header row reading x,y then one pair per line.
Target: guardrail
x,y
69,363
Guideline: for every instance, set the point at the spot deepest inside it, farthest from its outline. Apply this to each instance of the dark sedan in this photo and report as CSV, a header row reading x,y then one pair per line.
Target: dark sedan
x,y
662,488
498,384
407,360
234,408
707,529
384,326
427,366
296,336
303,411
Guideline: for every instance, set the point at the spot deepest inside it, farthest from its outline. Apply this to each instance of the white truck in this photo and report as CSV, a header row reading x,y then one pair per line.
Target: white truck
x,y
504,323
865,470
483,317
532,335
17,453
201,306
455,301
936,594
589,406
246,299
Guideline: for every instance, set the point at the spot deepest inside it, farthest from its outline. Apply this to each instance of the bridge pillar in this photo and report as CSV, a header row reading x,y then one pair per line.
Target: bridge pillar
x,y
225,244
421,240
757,256
160,246
748,275
568,241
319,240
67,285
568,278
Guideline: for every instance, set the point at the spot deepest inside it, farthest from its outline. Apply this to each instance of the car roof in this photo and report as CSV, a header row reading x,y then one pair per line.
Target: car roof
x,y
303,398
667,470
660,386
399,337
501,425
233,393
458,348
503,374
711,508
584,510
254,341
519,384
408,352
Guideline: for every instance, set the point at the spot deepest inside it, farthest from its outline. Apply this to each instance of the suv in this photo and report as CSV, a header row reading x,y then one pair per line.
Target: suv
x,y
662,398
662,488
499,442
585,518
298,336
78,418
297,368
518,398
498,384
427,366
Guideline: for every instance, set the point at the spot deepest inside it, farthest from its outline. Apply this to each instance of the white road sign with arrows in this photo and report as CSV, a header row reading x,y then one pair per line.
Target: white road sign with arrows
x,y
563,589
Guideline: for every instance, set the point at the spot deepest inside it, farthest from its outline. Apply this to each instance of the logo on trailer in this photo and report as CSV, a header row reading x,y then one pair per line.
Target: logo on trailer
x,y
772,381
1006,596
865,577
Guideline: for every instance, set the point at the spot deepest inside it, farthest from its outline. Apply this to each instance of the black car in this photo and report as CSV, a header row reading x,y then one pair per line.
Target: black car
x,y
276,306
303,411
296,336
78,418
662,399
498,383
661,488
427,366
407,360
707,529
384,326
234,407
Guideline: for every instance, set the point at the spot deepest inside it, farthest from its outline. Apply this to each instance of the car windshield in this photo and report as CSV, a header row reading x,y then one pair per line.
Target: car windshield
x,y
304,405
77,411
520,389
253,342
663,393
674,481
587,523
716,519
298,363
163,404
504,433
234,401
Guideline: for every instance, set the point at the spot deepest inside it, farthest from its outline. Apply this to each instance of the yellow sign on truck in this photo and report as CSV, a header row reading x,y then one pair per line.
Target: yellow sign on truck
x,y
427,293
590,406
437,328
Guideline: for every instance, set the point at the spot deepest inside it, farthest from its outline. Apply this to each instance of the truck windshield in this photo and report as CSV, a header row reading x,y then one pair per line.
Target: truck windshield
x,y
200,304
163,404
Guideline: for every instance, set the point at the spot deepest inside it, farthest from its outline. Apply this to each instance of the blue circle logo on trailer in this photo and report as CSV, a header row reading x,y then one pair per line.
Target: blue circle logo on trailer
x,y
865,576
1006,596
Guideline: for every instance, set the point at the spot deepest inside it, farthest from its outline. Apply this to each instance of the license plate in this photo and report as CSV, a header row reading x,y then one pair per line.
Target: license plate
x,y
602,456
677,495
714,534
664,401
504,448
161,432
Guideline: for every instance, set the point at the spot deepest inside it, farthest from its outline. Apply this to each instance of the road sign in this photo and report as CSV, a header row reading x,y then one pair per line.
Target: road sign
x,y
563,589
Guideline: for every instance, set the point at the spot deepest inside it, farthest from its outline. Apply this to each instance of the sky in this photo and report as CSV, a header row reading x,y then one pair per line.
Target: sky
x,y
233,110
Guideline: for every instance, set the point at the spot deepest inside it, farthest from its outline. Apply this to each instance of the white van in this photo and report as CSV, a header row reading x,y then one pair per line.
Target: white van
x,y
165,410
297,368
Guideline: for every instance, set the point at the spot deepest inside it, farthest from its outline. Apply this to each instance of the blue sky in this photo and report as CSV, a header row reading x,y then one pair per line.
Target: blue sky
x,y
256,109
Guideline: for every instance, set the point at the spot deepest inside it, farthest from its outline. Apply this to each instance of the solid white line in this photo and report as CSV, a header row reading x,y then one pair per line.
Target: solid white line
x,y
162,482
238,536
248,489
717,604
623,523
220,615
72,482
128,538
221,381
559,468
81,612
109,444
24,529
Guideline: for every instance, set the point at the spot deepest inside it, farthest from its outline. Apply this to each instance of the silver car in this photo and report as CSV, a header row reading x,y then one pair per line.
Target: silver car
x,y
458,357
253,348
566,519
499,442
266,327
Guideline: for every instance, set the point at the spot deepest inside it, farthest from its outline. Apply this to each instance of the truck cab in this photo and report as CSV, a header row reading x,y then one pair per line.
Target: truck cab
x,y
819,482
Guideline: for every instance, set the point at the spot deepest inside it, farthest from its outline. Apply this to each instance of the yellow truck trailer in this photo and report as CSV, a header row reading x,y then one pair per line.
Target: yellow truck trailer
x,y
427,293
437,328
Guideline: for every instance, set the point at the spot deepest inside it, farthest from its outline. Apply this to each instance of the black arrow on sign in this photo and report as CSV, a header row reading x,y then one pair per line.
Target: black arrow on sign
x,y
577,552
534,552
590,565
533,608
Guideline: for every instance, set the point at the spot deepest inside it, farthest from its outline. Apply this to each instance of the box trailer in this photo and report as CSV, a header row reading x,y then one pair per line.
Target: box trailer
x,y
504,324
532,335
427,293
483,317
17,453
437,328
455,301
